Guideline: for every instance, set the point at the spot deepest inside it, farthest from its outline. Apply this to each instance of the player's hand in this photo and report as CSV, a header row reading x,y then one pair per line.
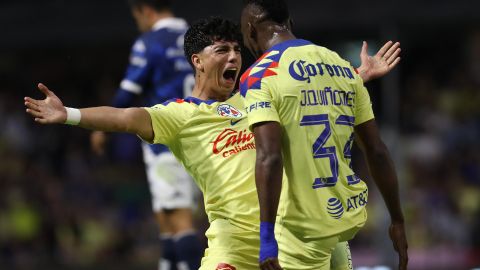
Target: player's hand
x,y
397,234
47,111
384,61
270,264
98,140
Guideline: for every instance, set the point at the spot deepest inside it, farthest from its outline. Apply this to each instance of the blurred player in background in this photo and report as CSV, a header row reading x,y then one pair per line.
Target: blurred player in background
x,y
209,134
158,71
304,105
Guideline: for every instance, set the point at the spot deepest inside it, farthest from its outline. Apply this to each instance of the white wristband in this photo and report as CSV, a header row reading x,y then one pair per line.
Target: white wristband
x,y
73,116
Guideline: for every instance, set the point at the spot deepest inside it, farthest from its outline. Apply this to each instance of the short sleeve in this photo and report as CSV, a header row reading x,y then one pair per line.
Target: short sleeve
x,y
167,121
260,105
363,105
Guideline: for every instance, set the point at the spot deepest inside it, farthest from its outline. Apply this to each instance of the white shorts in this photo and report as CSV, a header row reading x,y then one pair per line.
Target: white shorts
x,y
170,185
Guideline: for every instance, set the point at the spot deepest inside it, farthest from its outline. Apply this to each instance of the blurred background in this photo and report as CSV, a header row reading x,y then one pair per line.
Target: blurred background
x,y
62,207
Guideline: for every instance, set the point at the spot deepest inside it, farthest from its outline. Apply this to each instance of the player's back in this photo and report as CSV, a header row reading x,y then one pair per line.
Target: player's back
x,y
318,99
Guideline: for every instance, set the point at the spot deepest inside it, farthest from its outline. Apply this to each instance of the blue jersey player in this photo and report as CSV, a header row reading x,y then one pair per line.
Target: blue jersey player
x,y
158,71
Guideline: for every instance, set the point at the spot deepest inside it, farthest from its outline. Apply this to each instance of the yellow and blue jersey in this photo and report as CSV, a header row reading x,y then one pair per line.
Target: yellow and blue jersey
x,y
212,141
318,98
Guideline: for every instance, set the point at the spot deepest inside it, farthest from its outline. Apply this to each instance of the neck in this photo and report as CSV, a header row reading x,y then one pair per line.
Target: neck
x,y
204,91
274,34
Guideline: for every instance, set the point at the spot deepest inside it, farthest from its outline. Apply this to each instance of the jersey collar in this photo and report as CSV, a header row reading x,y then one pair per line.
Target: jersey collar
x,y
175,23
282,46
199,101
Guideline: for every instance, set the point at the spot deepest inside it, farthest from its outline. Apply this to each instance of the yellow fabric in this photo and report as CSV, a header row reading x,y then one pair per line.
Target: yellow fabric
x,y
305,253
218,152
317,98
229,244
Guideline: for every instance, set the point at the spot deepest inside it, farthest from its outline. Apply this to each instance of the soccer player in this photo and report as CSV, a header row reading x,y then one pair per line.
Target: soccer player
x,y
306,105
158,71
207,132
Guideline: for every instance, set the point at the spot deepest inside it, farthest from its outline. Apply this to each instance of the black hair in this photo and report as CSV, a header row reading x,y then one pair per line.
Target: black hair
x,y
276,10
157,5
205,32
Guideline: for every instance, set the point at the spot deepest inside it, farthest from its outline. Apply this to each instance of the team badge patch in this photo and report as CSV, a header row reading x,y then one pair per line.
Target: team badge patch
x,y
228,110
225,266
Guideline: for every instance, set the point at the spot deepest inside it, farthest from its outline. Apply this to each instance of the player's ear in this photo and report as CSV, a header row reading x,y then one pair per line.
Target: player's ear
x,y
197,62
252,31
290,24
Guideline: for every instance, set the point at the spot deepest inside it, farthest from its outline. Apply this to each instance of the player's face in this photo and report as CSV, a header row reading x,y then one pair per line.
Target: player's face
x,y
221,64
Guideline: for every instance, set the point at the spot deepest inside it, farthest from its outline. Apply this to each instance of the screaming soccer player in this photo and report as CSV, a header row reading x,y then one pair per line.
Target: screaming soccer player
x,y
207,132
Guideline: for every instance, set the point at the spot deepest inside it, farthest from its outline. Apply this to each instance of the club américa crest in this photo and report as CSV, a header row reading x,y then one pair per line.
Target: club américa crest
x,y
228,110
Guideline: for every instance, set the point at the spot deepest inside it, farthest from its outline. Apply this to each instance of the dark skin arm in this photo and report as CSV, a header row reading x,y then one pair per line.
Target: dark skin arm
x,y
383,172
269,171
268,175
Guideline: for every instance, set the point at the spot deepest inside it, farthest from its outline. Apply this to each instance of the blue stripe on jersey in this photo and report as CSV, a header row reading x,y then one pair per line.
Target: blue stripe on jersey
x,y
199,101
193,100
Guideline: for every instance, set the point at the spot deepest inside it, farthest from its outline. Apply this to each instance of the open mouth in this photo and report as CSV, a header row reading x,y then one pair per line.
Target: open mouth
x,y
230,74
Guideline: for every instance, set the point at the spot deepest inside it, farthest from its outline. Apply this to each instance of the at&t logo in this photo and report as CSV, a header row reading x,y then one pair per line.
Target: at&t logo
x,y
335,208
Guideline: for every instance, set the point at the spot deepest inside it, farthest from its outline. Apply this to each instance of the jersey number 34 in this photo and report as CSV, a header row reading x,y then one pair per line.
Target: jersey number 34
x,y
322,151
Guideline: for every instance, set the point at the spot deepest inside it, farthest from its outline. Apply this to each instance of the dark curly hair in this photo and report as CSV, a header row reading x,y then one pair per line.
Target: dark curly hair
x,y
204,33
157,5
276,10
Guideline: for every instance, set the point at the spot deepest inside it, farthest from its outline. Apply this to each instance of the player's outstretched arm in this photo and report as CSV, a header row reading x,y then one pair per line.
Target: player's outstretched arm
x,y
51,111
381,63
268,178
383,172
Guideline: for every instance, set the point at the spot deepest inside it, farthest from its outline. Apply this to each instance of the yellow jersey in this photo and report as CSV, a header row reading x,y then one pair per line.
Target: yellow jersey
x,y
212,141
318,98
